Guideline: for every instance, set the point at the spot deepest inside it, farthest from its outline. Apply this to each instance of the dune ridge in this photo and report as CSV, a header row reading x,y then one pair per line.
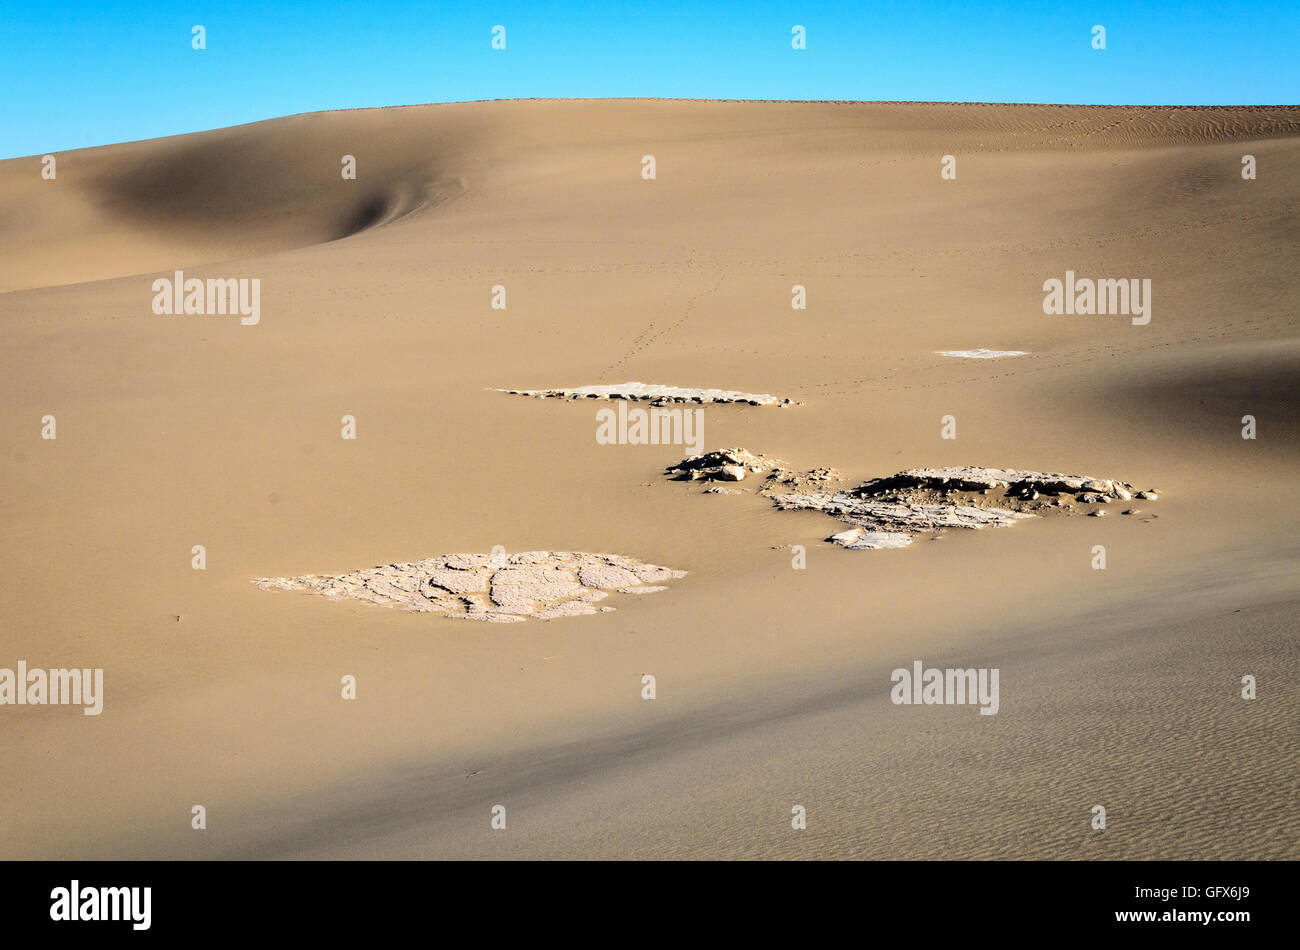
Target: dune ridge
x,y
272,185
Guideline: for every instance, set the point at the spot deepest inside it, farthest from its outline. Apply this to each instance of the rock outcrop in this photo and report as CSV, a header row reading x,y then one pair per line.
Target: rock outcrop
x,y
497,588
886,516
888,512
968,479
723,465
654,393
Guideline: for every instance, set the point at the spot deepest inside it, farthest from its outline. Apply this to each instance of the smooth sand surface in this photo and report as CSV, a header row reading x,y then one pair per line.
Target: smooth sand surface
x,y
1118,687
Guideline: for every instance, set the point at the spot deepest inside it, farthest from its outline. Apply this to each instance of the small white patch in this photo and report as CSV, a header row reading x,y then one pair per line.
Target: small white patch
x,y
856,539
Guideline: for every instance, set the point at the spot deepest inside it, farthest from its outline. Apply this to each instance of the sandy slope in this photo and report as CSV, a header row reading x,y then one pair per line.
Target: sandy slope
x,y
173,431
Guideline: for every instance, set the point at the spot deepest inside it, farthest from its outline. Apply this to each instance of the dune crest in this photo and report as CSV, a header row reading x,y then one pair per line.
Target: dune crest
x,y
277,185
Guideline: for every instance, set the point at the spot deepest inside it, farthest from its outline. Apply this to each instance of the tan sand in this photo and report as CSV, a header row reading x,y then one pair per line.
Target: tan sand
x,y
1119,688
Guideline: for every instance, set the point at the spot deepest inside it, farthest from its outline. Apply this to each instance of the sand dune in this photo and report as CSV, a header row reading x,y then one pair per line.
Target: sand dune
x,y
772,681
275,185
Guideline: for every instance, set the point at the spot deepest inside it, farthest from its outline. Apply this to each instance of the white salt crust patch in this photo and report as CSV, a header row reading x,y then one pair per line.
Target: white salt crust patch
x,y
982,354
653,392
502,588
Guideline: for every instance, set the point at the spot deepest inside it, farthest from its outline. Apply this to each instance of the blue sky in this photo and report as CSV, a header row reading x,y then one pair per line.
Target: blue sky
x,y
79,74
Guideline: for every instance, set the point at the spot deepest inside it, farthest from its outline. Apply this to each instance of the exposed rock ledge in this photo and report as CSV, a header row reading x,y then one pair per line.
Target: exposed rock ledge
x,y
965,478
895,521
724,465
731,465
886,512
499,588
656,394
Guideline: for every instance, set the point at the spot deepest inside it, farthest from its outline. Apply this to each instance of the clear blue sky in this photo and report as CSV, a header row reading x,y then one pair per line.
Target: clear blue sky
x,y
78,74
